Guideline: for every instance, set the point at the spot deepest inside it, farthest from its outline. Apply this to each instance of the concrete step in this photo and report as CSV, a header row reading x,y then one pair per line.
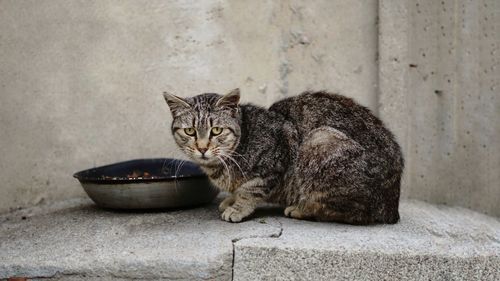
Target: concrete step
x,y
76,240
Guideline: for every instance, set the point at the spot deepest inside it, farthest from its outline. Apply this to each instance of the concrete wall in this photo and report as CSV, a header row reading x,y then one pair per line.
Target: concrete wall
x,y
440,93
81,81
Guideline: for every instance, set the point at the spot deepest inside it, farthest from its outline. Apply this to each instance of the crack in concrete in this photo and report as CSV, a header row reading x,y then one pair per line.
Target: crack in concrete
x,y
281,230
232,263
64,275
233,241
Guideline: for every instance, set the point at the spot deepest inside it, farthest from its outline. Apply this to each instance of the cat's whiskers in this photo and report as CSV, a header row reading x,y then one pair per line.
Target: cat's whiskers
x,y
179,168
236,154
226,166
176,172
163,167
186,150
235,162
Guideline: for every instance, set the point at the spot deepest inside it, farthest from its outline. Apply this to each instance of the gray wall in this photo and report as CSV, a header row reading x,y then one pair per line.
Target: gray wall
x,y
81,82
440,92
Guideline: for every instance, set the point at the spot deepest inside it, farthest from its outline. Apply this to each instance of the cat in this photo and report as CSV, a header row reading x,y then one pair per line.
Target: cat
x,y
320,155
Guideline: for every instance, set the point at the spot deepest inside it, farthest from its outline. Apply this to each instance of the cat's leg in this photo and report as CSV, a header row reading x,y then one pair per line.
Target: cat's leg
x,y
291,209
348,212
328,180
247,196
295,212
228,201
355,214
243,206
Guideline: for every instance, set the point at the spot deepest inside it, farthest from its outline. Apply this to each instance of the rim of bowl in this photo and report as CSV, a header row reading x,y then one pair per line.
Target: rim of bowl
x,y
90,175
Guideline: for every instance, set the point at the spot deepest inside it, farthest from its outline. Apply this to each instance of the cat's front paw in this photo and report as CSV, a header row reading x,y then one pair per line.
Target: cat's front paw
x,y
233,215
227,202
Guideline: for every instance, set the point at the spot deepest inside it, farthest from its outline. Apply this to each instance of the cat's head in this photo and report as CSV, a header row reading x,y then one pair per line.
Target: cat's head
x,y
206,127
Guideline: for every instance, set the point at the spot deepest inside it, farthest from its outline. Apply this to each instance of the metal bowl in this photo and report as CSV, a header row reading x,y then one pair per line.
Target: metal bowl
x,y
147,184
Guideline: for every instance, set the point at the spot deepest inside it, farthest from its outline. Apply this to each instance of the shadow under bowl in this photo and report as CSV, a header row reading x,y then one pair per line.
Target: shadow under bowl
x,y
147,184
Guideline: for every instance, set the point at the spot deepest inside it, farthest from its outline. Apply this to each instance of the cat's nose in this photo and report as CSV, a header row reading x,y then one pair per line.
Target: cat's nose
x,y
202,150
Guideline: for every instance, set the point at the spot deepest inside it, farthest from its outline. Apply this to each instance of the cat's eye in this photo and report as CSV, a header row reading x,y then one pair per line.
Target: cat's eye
x,y
216,131
190,131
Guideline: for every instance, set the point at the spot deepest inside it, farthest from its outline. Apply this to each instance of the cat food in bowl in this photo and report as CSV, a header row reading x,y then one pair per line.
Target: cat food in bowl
x,y
147,184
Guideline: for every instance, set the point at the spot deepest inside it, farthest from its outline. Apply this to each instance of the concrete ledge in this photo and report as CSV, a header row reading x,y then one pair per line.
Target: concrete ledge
x,y
84,241
430,243
79,241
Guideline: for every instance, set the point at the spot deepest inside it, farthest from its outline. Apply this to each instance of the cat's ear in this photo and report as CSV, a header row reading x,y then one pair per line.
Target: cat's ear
x,y
230,100
175,103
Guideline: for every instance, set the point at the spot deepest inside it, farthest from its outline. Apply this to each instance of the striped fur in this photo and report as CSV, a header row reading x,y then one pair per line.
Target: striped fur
x,y
320,155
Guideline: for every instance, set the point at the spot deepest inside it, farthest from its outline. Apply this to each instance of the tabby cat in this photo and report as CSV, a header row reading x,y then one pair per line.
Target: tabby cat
x,y
320,155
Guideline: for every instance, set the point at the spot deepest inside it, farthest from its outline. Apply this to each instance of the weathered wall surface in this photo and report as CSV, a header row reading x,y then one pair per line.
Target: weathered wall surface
x,y
81,81
440,92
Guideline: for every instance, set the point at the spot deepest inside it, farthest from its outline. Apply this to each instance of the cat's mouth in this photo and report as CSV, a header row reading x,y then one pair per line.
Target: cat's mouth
x,y
204,160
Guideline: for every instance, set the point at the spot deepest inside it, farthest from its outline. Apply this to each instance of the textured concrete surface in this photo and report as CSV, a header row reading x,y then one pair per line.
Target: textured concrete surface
x,y
440,93
77,241
430,243
86,242
81,81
